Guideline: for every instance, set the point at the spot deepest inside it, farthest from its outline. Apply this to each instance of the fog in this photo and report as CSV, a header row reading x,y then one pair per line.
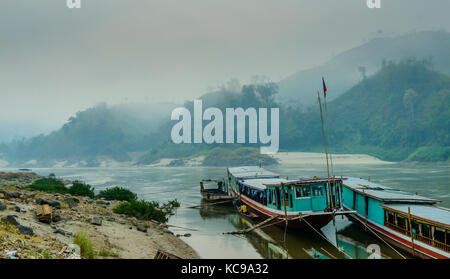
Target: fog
x,y
55,61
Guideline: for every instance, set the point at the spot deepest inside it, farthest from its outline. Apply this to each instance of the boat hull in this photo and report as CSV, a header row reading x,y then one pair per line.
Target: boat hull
x,y
216,196
315,220
398,240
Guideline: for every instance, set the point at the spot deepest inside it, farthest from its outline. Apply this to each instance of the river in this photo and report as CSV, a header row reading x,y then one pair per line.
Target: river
x,y
208,223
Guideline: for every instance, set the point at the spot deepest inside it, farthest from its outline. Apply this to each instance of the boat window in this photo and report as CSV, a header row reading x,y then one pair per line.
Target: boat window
x,y
401,221
426,230
390,217
439,234
447,237
317,190
302,192
269,196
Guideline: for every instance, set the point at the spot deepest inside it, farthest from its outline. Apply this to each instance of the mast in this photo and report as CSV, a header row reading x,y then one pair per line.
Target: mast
x,y
328,133
326,152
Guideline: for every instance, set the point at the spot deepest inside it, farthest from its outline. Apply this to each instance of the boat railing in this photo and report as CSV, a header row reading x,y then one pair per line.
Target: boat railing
x,y
398,229
433,242
421,238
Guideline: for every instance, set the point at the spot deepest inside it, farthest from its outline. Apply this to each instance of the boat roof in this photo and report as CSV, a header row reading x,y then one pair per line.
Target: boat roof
x,y
305,181
384,193
433,214
251,171
260,184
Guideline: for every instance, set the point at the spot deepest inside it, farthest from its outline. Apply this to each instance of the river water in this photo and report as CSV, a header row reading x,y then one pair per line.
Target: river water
x,y
208,223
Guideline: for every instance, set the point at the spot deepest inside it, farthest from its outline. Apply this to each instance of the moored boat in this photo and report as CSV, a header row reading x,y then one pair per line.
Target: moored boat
x,y
218,195
302,203
411,222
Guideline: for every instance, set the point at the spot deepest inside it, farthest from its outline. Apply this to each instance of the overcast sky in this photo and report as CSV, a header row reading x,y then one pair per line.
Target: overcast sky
x,y
55,61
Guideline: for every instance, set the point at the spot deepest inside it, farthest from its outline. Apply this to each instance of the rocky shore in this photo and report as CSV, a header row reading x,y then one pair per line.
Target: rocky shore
x,y
112,235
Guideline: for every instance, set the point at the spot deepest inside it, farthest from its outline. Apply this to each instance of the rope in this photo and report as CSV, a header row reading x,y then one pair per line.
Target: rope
x,y
385,242
327,239
195,206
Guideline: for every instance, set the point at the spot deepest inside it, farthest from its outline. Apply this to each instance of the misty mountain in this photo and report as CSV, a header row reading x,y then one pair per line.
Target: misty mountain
x,y
112,132
400,113
348,68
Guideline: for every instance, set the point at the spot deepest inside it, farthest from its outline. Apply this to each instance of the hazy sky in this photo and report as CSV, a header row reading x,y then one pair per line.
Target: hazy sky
x,y
55,61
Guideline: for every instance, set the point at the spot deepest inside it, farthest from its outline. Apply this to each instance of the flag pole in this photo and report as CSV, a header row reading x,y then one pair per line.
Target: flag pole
x,y
326,152
326,123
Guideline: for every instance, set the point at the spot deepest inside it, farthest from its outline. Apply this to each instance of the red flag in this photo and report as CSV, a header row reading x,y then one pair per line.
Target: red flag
x,y
324,88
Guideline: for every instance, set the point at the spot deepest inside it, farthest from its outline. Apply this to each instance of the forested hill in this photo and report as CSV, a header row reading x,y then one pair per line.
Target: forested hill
x,y
112,132
400,113
348,68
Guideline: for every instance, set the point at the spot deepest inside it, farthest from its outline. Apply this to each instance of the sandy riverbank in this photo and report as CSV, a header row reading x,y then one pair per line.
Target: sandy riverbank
x,y
319,158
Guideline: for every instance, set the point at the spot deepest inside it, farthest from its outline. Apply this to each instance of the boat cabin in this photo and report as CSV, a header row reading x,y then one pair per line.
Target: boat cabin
x,y
268,189
399,211
366,198
429,224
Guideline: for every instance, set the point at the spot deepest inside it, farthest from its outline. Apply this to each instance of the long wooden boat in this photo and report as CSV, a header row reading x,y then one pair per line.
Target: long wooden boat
x,y
310,202
411,222
217,195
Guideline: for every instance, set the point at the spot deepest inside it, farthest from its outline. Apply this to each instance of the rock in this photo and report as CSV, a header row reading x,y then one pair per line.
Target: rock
x,y
60,231
187,235
97,221
2,206
102,202
16,208
72,205
111,219
56,218
55,204
41,201
25,230
11,219
14,195
71,200
176,163
122,222
142,229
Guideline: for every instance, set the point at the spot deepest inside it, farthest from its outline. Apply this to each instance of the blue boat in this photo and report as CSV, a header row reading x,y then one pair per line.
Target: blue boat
x,y
302,203
411,222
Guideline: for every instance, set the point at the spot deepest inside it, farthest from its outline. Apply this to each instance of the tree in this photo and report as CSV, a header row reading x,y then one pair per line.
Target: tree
x,y
409,100
267,91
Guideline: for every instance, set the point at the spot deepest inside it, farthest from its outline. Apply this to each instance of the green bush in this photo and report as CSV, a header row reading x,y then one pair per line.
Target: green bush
x,y
86,247
49,181
81,189
49,185
117,193
146,210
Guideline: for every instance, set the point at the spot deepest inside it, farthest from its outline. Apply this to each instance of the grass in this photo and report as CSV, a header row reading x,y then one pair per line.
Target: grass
x,y
108,254
86,247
